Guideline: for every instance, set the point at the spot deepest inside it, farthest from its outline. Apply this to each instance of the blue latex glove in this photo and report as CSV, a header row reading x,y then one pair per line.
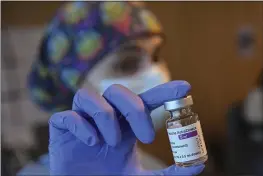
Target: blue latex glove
x,y
98,136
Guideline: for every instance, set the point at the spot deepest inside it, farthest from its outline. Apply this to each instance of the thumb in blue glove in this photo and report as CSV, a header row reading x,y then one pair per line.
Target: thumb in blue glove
x,y
98,136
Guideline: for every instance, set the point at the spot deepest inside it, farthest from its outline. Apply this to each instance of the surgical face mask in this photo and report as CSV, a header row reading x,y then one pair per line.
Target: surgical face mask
x,y
152,76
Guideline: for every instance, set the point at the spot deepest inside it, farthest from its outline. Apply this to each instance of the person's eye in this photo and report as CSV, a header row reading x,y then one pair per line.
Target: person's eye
x,y
156,55
155,58
129,65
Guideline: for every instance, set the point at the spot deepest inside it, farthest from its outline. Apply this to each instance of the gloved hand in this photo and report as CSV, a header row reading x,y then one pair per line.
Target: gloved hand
x,y
98,136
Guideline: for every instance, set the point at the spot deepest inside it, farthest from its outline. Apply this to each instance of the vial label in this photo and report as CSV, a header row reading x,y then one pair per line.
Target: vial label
x,y
187,142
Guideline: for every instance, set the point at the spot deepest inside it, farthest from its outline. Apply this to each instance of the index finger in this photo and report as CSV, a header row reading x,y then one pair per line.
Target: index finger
x,y
156,96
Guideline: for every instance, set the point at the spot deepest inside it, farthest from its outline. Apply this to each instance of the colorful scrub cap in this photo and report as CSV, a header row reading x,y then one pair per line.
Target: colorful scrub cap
x,y
80,35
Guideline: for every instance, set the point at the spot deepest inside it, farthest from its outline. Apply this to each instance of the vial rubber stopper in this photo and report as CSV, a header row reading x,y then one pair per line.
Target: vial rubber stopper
x,y
179,103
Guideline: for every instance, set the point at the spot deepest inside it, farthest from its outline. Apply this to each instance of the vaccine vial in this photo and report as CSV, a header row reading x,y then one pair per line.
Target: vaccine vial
x,y
185,133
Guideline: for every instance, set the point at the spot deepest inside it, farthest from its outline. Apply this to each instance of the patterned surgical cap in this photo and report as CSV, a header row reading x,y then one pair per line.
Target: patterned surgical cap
x,y
80,35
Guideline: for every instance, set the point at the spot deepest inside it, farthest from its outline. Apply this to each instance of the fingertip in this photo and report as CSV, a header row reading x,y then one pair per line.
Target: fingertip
x,y
147,140
182,82
148,136
175,84
55,120
181,87
144,130
169,91
79,95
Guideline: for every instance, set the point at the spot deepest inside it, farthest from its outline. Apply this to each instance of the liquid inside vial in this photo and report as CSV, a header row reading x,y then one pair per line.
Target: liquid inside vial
x,y
186,137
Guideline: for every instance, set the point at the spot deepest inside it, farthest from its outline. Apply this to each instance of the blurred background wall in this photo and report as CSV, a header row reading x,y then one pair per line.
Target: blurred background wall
x,y
203,47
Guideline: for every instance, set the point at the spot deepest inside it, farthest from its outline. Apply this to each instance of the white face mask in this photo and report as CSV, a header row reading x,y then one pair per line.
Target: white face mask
x,y
150,77
140,82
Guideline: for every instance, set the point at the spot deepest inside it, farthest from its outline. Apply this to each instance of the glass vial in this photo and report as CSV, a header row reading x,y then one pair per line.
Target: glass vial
x,y
185,133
